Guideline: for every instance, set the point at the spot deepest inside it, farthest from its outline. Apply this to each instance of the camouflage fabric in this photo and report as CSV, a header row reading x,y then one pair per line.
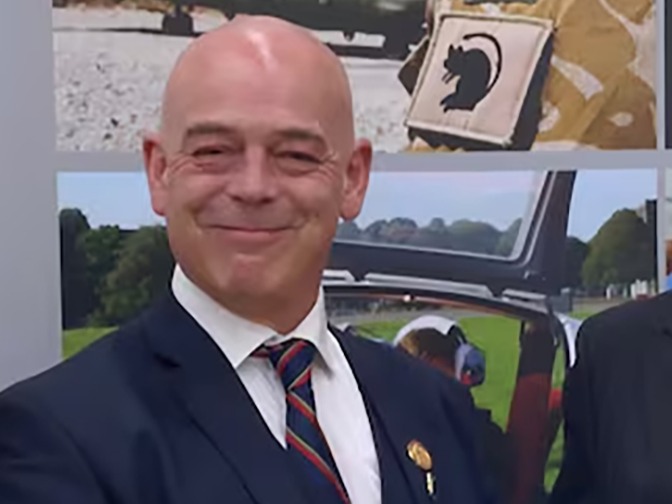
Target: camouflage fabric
x,y
600,89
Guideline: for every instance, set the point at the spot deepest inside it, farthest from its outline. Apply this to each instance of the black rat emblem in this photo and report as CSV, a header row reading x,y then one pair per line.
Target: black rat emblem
x,y
474,68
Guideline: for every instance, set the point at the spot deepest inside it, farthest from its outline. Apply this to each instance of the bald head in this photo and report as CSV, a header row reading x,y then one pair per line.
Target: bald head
x,y
268,56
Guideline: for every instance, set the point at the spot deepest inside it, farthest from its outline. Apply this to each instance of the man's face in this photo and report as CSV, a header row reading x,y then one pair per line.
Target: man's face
x,y
254,181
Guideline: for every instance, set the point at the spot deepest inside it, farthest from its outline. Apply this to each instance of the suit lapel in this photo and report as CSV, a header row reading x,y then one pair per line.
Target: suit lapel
x,y
208,388
394,427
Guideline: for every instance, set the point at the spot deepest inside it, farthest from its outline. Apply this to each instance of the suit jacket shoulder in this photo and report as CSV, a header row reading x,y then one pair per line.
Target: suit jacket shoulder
x,y
59,419
622,326
83,382
412,379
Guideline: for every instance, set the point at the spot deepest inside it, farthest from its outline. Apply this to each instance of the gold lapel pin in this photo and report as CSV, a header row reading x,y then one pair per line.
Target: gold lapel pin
x,y
419,454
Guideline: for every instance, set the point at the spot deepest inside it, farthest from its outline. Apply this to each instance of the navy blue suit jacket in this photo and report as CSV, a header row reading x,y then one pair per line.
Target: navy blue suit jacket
x,y
154,414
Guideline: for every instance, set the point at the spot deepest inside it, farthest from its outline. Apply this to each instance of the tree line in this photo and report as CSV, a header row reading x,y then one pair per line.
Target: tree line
x,y
109,274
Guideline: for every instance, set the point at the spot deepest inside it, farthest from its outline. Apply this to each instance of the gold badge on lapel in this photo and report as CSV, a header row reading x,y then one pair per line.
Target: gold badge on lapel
x,y
419,454
421,457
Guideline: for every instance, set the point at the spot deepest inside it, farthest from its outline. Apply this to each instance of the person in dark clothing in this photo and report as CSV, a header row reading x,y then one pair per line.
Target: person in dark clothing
x,y
618,410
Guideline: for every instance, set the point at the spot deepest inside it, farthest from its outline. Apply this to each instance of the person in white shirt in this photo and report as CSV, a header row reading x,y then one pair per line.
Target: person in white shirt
x,y
233,387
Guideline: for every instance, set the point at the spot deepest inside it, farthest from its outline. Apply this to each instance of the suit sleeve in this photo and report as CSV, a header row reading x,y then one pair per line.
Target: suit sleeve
x,y
39,462
575,482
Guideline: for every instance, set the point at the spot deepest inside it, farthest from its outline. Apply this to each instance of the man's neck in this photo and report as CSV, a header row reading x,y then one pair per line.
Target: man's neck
x,y
281,313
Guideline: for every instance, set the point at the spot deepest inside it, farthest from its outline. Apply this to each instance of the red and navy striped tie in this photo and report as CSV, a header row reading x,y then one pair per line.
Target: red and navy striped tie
x,y
306,444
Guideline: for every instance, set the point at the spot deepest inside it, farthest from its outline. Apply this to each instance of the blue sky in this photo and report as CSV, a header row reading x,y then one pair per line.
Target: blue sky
x,y
495,197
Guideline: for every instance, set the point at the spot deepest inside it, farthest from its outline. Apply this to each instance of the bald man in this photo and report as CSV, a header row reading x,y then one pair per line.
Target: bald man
x,y
233,387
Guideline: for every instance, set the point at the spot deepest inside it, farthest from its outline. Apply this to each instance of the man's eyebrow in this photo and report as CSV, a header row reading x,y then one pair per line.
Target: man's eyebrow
x,y
302,134
299,133
207,128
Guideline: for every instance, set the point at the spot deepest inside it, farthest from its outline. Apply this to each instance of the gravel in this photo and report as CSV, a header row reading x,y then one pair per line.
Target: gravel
x,y
111,65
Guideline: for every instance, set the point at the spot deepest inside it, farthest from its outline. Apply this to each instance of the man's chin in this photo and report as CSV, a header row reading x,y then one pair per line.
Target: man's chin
x,y
249,279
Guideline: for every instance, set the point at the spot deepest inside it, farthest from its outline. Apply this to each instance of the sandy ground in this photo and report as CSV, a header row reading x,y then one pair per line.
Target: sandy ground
x,y
110,67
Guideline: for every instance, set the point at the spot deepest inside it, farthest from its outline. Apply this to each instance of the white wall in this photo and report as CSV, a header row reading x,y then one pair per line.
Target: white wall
x,y
29,280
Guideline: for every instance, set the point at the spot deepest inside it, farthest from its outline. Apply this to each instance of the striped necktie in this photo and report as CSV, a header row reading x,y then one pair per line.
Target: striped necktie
x,y
306,444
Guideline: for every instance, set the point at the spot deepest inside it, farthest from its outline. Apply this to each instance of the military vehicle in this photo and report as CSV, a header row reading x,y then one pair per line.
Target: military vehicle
x,y
401,22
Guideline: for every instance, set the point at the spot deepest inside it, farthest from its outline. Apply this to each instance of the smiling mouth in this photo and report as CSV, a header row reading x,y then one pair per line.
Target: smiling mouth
x,y
235,229
254,236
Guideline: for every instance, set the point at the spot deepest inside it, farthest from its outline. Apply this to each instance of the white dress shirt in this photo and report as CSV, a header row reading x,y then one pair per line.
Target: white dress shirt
x,y
338,401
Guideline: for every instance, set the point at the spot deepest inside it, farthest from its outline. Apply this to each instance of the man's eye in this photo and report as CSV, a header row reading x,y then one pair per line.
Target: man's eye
x,y
300,156
211,151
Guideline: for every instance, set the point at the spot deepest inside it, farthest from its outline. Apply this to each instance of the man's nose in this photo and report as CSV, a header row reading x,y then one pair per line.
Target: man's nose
x,y
255,181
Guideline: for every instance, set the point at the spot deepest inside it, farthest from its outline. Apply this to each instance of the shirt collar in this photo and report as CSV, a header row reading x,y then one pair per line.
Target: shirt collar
x,y
237,337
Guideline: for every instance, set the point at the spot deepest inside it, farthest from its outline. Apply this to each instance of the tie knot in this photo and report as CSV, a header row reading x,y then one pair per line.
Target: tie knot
x,y
291,359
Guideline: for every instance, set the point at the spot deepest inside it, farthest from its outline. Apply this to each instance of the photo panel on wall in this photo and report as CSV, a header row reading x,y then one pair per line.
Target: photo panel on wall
x,y
502,267
426,74
667,59
667,228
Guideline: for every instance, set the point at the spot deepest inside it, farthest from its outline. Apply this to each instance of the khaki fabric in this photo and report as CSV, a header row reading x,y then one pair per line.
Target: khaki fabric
x,y
600,89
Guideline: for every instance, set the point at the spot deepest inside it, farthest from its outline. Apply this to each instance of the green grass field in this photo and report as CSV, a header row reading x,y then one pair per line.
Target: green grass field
x,y
497,336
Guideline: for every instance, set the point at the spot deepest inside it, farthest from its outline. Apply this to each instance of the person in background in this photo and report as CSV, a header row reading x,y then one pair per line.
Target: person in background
x,y
442,343
617,408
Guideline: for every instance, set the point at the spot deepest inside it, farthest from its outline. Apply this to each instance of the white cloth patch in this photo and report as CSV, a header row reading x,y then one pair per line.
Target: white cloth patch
x,y
477,76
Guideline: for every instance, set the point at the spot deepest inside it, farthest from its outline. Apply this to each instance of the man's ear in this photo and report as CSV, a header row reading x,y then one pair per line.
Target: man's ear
x,y
155,169
356,180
